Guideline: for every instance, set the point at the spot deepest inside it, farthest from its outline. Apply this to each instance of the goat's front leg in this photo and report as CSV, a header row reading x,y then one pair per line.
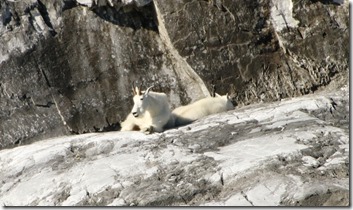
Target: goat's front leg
x,y
129,124
148,130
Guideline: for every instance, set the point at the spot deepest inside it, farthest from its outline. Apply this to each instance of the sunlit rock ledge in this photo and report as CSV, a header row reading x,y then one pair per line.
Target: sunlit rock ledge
x,y
292,152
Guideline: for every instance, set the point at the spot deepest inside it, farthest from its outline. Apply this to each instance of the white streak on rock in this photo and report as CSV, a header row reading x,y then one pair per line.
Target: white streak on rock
x,y
282,15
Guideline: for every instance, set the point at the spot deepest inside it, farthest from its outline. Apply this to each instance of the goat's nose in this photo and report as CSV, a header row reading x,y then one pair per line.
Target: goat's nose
x,y
135,114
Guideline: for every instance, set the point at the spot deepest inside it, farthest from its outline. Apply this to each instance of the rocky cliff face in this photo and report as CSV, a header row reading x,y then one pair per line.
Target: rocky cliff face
x,y
67,66
260,50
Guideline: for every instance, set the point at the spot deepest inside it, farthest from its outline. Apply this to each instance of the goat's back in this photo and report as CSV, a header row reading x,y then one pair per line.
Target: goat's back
x,y
211,105
162,101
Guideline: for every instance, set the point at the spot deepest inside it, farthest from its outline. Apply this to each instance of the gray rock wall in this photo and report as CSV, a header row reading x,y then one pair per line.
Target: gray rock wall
x,y
67,66
260,50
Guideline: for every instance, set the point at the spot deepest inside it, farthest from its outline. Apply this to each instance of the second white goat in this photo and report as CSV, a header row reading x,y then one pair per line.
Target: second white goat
x,y
210,105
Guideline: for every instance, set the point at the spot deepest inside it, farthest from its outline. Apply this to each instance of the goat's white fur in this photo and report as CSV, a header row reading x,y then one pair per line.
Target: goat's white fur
x,y
150,112
211,105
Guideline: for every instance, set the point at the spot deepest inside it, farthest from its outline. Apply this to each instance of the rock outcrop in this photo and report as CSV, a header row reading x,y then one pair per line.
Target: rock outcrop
x,y
289,153
67,66
260,50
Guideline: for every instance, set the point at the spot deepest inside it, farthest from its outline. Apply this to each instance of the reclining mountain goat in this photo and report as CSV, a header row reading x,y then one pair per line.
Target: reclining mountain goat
x,y
210,105
150,112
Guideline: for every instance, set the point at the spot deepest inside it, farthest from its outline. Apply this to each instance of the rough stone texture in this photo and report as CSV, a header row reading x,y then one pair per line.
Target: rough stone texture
x,y
67,66
260,50
78,78
289,153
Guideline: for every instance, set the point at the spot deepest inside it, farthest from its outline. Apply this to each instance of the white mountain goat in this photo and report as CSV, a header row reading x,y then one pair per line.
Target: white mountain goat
x,y
150,112
210,105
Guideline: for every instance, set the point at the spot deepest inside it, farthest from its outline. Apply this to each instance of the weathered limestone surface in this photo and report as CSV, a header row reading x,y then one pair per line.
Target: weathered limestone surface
x,y
289,153
67,66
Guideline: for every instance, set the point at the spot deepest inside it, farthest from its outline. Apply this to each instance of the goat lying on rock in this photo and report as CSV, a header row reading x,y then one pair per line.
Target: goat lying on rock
x,y
211,105
150,112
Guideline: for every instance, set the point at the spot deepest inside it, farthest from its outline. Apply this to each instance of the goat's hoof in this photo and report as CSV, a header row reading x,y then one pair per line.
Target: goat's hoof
x,y
148,130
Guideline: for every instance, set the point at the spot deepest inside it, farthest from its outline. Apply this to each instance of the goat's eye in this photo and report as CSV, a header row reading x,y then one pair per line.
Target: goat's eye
x,y
141,98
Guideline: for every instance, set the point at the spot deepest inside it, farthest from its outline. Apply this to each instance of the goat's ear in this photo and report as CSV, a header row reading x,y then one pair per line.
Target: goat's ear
x,y
148,90
138,91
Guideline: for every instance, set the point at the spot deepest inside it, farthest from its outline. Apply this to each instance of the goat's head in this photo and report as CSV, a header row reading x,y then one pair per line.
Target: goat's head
x,y
227,99
141,101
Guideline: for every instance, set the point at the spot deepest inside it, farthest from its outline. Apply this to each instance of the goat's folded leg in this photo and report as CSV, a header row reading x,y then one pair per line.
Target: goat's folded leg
x,y
148,130
152,129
